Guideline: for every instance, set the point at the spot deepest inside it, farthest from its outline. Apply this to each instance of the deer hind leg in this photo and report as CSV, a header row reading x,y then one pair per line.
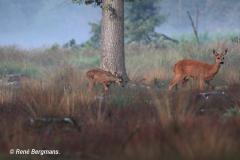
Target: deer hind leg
x,y
184,81
176,79
201,84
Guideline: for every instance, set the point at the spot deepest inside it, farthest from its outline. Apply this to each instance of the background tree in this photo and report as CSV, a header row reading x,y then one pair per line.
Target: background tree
x,y
214,15
72,43
94,41
142,18
139,26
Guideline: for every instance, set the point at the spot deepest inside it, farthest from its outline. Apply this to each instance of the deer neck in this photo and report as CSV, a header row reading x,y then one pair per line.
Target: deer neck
x,y
215,68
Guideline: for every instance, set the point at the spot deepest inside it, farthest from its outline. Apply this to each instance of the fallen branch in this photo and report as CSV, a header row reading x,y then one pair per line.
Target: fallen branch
x,y
168,38
212,93
46,121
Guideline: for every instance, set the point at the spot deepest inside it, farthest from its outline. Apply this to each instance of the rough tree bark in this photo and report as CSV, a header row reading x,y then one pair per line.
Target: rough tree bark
x,y
112,38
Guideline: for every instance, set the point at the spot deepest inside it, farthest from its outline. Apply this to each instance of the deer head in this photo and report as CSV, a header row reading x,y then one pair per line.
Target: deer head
x,y
219,57
119,79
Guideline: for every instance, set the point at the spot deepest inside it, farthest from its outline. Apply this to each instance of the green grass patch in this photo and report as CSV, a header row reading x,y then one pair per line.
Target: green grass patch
x,y
18,68
86,60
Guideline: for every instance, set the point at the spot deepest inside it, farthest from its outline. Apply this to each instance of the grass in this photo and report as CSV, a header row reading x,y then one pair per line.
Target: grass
x,y
129,123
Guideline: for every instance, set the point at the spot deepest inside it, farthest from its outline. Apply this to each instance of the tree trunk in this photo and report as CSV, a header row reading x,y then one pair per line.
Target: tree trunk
x,y
112,38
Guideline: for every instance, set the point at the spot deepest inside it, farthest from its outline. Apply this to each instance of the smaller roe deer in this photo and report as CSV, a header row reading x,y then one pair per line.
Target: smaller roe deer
x,y
203,72
103,77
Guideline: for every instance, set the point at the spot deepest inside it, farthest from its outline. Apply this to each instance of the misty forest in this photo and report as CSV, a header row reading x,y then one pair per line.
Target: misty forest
x,y
120,79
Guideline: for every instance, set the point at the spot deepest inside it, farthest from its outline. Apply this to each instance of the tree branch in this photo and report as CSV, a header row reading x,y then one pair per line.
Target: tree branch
x,y
193,27
168,38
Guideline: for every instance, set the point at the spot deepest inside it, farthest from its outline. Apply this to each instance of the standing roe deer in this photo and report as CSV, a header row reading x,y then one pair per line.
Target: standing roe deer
x,y
203,72
103,77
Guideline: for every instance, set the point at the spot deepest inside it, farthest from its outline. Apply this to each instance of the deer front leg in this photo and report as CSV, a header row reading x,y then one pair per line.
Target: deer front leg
x,y
201,84
210,85
106,87
90,85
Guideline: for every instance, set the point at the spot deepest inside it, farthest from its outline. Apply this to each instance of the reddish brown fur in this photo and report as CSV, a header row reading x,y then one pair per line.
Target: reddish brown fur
x,y
203,72
102,77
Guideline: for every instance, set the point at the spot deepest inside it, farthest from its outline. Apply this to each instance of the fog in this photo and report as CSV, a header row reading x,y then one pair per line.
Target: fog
x,y
214,16
36,23
29,23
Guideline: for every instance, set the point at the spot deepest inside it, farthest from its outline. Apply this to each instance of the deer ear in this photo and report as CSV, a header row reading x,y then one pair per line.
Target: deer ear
x,y
226,50
214,52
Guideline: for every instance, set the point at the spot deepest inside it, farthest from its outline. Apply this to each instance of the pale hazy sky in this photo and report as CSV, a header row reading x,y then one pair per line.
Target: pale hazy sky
x,y
29,24
35,23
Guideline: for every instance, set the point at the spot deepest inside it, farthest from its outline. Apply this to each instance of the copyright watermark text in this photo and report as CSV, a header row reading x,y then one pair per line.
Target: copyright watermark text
x,y
33,152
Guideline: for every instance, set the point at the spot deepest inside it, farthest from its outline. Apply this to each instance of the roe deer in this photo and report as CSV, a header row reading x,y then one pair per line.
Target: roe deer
x,y
103,77
203,72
